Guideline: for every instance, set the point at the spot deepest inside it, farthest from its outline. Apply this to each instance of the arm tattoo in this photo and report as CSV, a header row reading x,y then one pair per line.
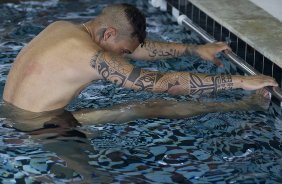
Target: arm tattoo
x,y
144,80
167,50
156,49
210,84
111,69
120,72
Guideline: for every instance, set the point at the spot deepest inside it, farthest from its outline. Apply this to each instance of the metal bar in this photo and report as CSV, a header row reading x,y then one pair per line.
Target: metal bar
x,y
237,43
206,23
243,65
254,61
213,28
192,12
190,25
220,38
263,58
199,16
246,51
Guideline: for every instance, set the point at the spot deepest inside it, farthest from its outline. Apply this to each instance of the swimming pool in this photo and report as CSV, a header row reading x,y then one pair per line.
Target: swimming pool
x,y
235,147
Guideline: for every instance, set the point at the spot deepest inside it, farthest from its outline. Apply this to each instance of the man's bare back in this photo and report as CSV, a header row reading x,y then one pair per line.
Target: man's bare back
x,y
52,68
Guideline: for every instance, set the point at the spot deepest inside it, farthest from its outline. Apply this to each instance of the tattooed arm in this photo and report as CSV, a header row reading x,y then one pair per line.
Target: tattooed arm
x,y
154,50
117,70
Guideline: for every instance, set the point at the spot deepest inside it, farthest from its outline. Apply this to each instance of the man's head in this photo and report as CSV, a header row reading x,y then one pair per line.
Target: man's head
x,y
121,28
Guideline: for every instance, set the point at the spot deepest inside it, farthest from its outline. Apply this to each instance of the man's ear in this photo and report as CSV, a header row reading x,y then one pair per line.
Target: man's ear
x,y
109,33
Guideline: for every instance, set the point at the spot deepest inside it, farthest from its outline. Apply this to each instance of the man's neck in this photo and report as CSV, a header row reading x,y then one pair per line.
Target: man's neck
x,y
90,28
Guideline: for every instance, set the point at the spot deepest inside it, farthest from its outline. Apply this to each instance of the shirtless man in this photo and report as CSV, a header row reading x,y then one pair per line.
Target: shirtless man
x,y
65,58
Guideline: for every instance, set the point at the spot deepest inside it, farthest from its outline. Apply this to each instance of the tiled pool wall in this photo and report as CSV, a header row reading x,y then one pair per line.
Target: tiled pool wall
x,y
258,61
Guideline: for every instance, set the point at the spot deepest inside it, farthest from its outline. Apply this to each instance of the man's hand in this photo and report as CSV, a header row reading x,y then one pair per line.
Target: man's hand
x,y
256,82
209,51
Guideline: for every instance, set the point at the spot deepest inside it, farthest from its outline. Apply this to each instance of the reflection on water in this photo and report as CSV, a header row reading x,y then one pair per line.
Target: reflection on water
x,y
233,147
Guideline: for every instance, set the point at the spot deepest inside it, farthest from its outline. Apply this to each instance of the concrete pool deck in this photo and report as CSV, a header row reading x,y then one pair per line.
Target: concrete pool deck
x,y
250,22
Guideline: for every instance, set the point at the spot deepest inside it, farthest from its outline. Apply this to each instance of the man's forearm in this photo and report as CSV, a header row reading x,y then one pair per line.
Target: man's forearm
x,y
154,50
183,83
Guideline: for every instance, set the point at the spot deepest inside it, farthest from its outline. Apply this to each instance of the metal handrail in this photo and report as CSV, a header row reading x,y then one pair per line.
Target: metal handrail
x,y
243,65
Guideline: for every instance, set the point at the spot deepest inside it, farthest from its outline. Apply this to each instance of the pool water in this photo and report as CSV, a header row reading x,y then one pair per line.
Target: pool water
x,y
233,147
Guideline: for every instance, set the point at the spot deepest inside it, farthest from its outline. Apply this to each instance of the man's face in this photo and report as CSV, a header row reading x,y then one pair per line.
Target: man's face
x,y
124,45
119,44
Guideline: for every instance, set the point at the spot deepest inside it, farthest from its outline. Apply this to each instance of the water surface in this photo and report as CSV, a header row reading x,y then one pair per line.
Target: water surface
x,y
234,147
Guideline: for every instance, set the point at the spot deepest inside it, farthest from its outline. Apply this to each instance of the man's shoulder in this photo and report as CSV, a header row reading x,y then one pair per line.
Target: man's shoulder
x,y
61,23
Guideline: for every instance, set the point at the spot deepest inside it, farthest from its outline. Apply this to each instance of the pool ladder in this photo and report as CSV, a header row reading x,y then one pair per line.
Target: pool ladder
x,y
242,64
